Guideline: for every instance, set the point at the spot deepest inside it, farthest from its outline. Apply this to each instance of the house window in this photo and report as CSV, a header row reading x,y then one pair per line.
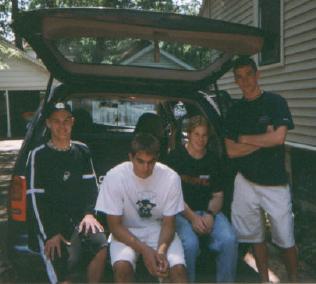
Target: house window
x,y
270,21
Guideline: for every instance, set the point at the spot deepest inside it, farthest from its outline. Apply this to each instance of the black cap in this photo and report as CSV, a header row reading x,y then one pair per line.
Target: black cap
x,y
57,107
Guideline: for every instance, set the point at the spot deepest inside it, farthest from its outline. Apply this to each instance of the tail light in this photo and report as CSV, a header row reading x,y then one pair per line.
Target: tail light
x,y
17,199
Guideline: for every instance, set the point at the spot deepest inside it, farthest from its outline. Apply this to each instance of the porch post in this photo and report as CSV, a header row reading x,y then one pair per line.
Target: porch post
x,y
6,94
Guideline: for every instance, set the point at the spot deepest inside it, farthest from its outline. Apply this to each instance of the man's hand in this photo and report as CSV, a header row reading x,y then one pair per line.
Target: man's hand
x,y
208,221
163,265
89,223
53,246
150,261
156,264
199,225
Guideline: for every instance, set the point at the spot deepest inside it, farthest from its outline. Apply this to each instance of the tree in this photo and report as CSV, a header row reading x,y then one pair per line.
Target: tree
x,y
11,7
7,9
160,5
15,10
105,51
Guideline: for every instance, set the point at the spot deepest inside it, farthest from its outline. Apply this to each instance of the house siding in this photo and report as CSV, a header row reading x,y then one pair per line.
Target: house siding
x,y
148,59
22,80
295,79
19,74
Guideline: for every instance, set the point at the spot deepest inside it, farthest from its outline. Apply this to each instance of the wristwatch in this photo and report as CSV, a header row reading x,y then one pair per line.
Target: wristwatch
x,y
209,211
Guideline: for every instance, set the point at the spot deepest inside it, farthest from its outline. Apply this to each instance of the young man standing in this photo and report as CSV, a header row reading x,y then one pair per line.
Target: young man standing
x,y
141,198
256,130
62,191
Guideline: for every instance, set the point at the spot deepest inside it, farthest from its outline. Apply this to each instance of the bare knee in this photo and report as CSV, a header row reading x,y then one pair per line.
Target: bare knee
x,y
178,274
101,255
123,271
96,266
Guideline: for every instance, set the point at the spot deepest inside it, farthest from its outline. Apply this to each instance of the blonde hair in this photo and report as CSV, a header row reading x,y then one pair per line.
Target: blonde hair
x,y
198,120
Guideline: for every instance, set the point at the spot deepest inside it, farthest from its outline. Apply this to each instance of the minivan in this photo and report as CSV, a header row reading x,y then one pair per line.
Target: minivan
x,y
113,65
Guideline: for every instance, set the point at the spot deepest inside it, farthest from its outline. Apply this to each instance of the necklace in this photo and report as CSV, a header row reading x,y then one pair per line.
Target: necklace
x,y
51,145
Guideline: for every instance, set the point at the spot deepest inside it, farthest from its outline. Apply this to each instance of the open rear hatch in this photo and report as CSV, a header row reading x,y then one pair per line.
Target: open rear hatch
x,y
132,47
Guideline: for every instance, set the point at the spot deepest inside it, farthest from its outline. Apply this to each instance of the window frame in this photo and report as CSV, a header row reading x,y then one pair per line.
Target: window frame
x,y
258,24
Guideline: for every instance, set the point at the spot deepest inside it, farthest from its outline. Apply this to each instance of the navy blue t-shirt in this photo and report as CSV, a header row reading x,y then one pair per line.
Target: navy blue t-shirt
x,y
200,178
265,166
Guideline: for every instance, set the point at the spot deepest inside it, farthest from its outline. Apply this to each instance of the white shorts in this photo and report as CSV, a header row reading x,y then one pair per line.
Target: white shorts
x,y
149,235
251,200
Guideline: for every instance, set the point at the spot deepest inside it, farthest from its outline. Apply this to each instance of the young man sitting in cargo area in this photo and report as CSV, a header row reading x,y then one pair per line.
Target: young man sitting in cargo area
x,y
61,195
256,128
141,198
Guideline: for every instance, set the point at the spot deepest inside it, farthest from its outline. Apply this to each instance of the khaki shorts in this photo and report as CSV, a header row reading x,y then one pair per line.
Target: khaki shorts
x,y
250,201
120,251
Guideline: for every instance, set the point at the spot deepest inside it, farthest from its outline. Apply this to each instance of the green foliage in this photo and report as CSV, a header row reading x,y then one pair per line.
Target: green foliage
x,y
6,51
186,7
111,51
190,7
159,5
5,16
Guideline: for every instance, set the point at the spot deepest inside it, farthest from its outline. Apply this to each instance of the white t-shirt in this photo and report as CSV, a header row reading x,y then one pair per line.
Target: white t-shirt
x,y
141,202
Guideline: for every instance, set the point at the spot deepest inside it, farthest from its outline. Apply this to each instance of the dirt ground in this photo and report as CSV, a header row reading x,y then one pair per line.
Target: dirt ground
x,y
8,153
305,229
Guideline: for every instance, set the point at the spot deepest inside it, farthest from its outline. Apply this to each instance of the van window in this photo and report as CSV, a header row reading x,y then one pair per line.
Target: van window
x,y
112,112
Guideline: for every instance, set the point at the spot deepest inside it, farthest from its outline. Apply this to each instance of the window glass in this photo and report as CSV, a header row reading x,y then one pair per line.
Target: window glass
x,y
136,52
110,112
119,113
270,22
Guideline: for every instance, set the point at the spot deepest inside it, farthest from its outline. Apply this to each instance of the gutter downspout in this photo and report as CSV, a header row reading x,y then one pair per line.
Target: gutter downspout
x,y
6,95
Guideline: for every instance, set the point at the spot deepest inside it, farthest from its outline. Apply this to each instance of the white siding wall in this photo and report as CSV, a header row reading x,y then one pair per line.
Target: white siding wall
x,y
147,59
18,73
296,78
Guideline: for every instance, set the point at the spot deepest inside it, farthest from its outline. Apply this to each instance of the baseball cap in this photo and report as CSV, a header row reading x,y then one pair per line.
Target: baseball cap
x,y
57,107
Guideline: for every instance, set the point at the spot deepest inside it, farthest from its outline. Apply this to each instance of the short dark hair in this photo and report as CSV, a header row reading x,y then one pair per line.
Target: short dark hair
x,y
145,142
244,61
150,123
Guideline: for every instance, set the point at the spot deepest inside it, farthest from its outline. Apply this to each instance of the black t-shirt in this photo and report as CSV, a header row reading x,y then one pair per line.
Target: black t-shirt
x,y
62,188
265,166
199,177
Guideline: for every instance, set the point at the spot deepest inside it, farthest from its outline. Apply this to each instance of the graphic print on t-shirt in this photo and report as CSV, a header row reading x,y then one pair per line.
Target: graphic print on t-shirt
x,y
66,175
145,203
